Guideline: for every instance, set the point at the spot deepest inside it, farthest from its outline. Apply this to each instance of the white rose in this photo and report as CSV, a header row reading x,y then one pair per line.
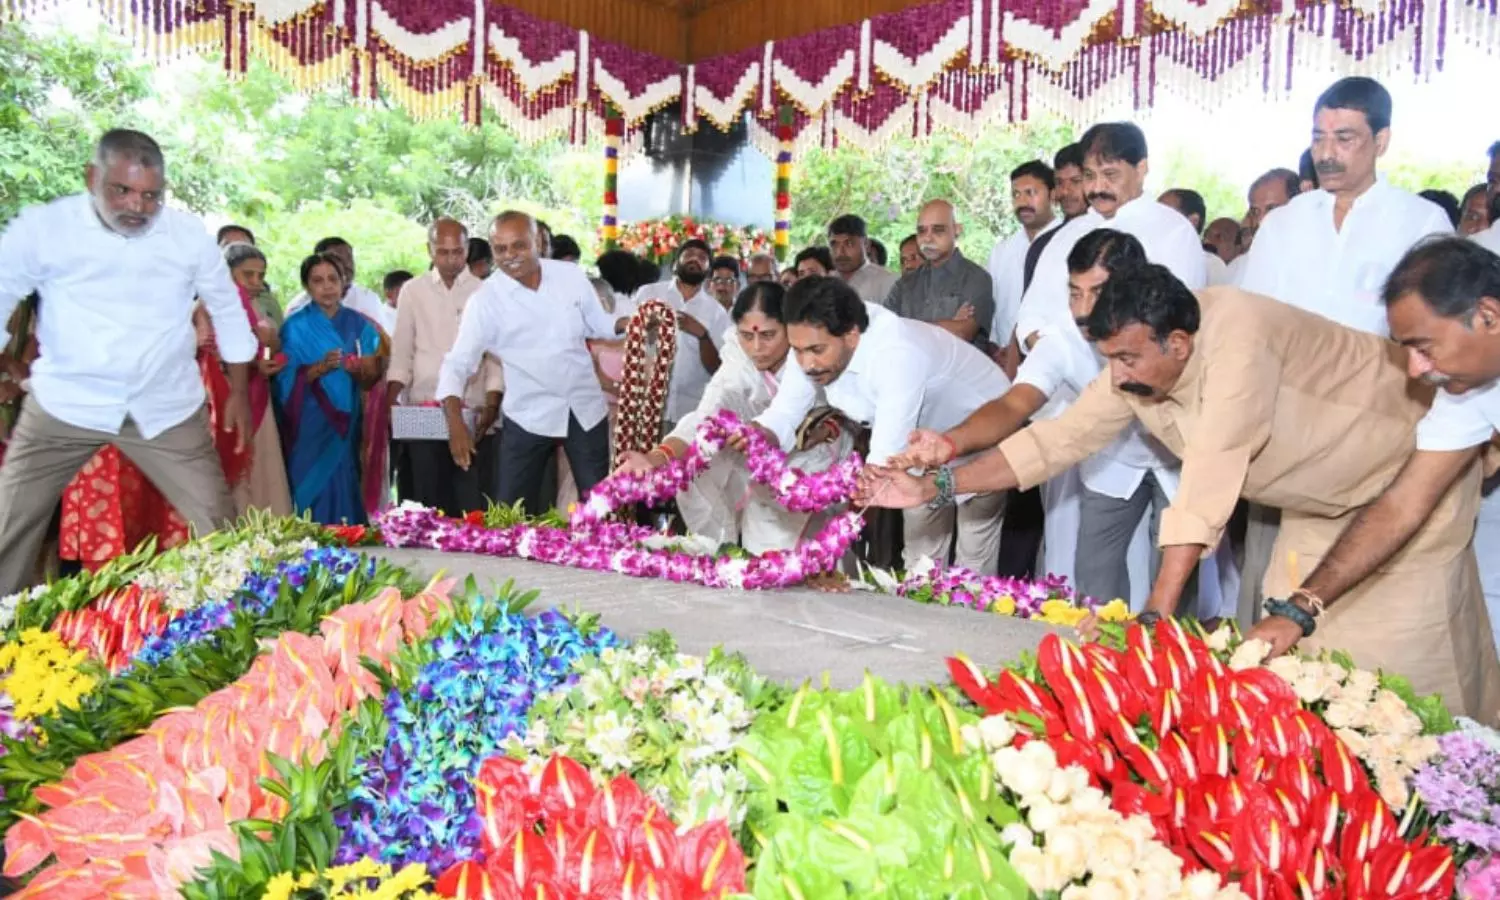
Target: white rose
x,y
997,731
1017,835
1249,654
1390,715
1288,667
1117,886
1391,783
1418,750
1219,640
1038,870
1043,815
1065,782
1343,714
1113,850
1361,684
973,740
1200,886
1358,744
1069,850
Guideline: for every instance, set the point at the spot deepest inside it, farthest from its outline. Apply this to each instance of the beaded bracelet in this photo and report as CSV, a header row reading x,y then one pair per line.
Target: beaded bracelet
x,y
944,482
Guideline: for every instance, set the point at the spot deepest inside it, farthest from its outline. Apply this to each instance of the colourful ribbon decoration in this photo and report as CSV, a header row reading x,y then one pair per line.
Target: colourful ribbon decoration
x,y
614,135
782,239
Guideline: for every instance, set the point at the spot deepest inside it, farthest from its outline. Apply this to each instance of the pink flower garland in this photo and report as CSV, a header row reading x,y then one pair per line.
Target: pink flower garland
x,y
593,543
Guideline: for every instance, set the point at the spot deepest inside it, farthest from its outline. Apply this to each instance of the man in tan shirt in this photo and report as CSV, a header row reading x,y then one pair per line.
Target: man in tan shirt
x,y
427,319
1284,408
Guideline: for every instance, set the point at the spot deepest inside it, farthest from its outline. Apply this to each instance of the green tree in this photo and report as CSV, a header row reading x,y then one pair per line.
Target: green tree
x,y
383,238
887,187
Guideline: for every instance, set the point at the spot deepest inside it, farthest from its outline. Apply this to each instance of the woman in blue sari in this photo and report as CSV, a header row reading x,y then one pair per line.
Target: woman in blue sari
x,y
334,356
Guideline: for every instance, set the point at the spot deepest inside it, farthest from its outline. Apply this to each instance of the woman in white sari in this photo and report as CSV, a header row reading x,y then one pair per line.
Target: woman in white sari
x,y
723,503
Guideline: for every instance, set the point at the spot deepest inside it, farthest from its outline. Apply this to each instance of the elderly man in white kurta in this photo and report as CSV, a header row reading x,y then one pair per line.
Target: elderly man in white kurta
x,y
1329,250
701,323
895,375
118,274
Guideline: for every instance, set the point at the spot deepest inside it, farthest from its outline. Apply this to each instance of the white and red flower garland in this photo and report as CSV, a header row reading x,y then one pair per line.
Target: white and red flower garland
x,y
594,543
643,394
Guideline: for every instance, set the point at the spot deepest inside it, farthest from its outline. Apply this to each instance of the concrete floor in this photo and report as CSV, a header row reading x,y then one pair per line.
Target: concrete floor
x,y
786,635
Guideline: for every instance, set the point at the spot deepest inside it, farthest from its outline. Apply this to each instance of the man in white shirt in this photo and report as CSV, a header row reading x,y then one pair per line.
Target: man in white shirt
x,y
1329,251
118,274
1490,237
1443,304
356,296
1115,165
701,323
1272,190
1031,185
895,375
534,315
849,244
1189,204
428,312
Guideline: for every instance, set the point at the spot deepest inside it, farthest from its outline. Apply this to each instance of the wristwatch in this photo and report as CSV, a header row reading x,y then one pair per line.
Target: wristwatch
x,y
1149,617
1286,609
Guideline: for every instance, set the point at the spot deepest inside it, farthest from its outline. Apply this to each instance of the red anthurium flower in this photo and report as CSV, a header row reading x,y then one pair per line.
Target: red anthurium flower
x,y
1340,769
1022,695
1172,668
621,807
1131,799
1324,812
1140,669
1073,752
1420,873
474,517
1105,691
1106,658
1214,847
1369,825
1166,710
1206,699
1260,883
1263,835
1264,689
523,855
593,867
1111,766
1178,755
566,788
975,686
1148,765
711,863
651,846
1205,803
469,880
1190,651
1211,748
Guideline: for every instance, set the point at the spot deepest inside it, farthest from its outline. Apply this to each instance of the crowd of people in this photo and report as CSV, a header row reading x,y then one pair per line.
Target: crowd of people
x,y
1223,419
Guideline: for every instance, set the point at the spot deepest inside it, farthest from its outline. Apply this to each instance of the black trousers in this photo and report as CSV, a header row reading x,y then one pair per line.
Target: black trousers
x,y
523,460
434,480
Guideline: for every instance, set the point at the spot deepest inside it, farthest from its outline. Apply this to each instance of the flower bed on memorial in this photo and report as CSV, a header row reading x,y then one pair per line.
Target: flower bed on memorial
x,y
304,721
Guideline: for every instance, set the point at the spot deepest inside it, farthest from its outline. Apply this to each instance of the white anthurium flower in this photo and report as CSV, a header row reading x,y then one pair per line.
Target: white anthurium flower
x,y
1249,655
1220,639
996,731
1288,667
921,568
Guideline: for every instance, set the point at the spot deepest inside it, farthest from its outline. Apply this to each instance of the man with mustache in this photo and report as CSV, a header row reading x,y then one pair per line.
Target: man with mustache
x,y
849,244
1268,402
1443,304
893,374
120,273
1087,507
701,323
534,315
1329,250
1031,186
947,289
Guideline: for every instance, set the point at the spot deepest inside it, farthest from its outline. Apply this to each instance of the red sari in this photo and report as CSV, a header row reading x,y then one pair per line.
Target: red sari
x,y
110,507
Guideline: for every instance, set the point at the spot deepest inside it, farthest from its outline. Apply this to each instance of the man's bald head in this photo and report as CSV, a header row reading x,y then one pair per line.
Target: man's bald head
x,y
937,231
516,243
448,247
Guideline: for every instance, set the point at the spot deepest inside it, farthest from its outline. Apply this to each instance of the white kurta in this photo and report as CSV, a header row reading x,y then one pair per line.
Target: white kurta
x,y
1007,268
1298,257
723,503
689,376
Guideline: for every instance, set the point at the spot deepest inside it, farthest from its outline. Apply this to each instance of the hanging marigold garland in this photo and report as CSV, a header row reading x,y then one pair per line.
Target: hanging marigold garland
x,y
643,394
614,136
783,237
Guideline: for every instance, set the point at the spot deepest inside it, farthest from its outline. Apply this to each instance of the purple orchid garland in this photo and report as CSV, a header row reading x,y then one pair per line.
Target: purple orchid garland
x,y
594,543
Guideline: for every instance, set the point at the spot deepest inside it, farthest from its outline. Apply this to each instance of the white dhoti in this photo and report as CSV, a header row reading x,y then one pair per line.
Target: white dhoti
x,y
1060,531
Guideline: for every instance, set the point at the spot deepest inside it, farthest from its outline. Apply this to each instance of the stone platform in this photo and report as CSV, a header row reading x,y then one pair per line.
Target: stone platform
x,y
787,635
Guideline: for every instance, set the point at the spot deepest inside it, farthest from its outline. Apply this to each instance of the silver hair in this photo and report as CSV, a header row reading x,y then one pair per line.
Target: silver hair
x,y
770,258
132,146
432,229
239,251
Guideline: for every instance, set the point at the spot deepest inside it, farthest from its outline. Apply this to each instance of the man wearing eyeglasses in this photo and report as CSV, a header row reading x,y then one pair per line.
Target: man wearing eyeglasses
x,y
724,282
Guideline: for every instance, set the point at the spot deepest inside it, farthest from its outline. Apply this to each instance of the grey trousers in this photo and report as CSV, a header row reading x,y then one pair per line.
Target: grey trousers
x,y
977,524
45,453
1106,526
1261,528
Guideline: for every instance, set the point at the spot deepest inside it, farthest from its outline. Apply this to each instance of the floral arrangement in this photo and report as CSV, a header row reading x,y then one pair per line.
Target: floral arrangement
x,y
362,880
658,239
1460,788
643,387
1234,775
198,573
41,675
153,810
113,628
1072,837
557,834
1374,722
670,720
849,788
1050,600
472,688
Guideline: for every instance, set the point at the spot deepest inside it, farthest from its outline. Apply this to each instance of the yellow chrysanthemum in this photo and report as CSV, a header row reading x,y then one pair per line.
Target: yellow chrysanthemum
x,y
280,887
1116,610
1061,612
44,674
1005,606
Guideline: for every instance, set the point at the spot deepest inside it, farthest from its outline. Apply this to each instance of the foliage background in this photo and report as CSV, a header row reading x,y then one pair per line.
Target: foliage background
x,y
297,168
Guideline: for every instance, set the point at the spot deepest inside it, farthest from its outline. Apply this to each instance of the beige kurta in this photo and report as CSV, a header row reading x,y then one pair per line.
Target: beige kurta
x,y
1293,411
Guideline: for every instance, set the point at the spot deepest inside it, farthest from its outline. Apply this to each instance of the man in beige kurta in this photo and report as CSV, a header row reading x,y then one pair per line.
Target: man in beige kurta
x,y
1289,410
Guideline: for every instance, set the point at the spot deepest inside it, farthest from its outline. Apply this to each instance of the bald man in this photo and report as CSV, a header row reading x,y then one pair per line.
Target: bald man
x,y
947,290
427,316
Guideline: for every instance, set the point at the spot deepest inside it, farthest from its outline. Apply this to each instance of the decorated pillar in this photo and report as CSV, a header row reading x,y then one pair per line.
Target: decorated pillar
x,y
782,239
614,132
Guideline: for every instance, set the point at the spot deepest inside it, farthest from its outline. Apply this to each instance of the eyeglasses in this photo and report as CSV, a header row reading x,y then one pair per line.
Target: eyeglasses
x,y
723,279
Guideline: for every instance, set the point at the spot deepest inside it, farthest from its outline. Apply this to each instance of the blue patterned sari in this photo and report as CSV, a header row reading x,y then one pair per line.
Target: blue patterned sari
x,y
324,416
